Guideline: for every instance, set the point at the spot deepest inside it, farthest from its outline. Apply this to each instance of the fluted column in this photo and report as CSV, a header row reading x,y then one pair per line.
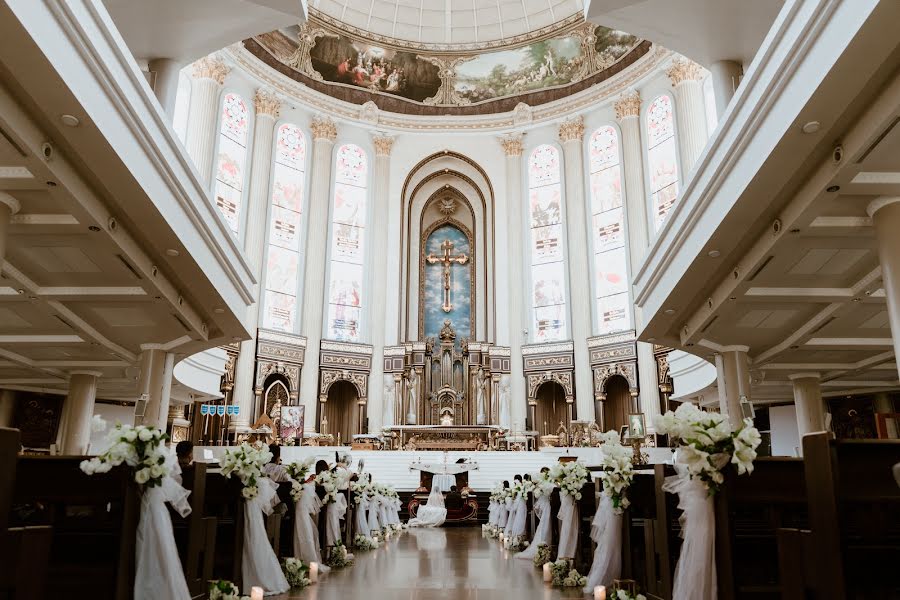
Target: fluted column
x,y
628,114
571,134
267,106
324,133
381,185
689,111
79,409
155,384
209,76
515,229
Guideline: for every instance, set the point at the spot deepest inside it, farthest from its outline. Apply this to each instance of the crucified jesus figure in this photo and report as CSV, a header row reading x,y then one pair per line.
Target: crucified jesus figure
x,y
447,259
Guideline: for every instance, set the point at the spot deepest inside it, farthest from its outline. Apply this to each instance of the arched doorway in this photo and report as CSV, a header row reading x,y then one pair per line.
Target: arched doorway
x,y
551,409
341,411
617,405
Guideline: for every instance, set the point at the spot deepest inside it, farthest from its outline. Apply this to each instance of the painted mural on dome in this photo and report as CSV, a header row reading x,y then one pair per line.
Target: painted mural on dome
x,y
331,56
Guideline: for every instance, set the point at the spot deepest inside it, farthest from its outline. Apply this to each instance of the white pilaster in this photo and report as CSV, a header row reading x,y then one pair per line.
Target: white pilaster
x,y
689,111
165,82
733,376
79,409
381,185
267,106
571,134
515,228
155,383
628,111
808,403
209,75
324,133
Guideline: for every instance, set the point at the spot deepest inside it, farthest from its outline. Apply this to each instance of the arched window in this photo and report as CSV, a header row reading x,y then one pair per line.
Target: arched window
x,y
348,222
182,105
661,158
608,225
283,258
548,272
232,159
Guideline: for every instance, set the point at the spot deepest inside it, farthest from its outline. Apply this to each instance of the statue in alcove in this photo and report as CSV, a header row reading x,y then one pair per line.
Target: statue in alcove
x,y
480,385
446,416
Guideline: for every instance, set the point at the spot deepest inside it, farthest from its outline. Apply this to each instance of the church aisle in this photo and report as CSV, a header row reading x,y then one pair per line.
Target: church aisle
x,y
432,564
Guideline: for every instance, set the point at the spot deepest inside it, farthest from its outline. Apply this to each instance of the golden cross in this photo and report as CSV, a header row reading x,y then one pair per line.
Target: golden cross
x,y
446,259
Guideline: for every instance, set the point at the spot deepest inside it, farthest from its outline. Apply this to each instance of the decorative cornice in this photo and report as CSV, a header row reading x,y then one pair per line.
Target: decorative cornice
x,y
628,105
683,70
611,338
323,128
512,144
533,349
266,102
572,130
211,67
281,337
383,144
348,347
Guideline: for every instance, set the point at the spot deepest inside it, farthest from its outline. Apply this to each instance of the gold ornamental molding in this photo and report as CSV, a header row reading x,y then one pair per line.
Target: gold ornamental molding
x,y
323,128
211,67
572,130
683,70
383,145
628,105
512,144
266,103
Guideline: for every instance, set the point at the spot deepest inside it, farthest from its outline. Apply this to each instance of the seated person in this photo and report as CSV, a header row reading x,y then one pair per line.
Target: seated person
x,y
185,452
454,499
274,470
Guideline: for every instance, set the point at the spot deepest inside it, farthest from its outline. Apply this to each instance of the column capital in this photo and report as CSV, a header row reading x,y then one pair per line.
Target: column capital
x,y
572,129
512,144
211,67
10,202
383,144
323,128
796,376
682,70
628,105
267,103
874,206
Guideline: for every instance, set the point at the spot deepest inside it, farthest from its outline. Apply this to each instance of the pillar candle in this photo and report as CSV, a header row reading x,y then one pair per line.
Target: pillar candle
x,y
548,574
600,592
256,593
313,572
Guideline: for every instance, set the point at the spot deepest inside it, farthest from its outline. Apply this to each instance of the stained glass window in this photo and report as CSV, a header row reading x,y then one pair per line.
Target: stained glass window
x,y
661,158
608,226
348,223
548,273
284,252
232,159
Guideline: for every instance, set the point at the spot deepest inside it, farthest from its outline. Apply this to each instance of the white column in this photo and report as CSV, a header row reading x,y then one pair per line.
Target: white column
x,y
324,133
267,106
515,230
7,407
733,375
808,403
628,114
726,77
648,377
381,185
571,134
689,112
8,207
79,409
209,75
885,214
165,82
155,384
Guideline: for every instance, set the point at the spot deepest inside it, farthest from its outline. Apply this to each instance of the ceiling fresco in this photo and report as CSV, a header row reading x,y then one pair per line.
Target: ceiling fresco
x,y
399,80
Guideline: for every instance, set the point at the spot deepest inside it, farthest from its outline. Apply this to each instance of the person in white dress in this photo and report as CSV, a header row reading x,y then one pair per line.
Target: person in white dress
x,y
433,514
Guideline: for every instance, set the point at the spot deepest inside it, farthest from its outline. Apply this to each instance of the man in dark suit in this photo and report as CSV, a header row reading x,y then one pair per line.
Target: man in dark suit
x,y
454,500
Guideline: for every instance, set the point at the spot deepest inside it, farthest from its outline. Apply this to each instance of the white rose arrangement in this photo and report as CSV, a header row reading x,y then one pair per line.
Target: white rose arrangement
x,y
569,477
298,472
619,594
296,572
707,443
329,482
362,491
542,484
141,448
566,576
617,469
246,463
222,589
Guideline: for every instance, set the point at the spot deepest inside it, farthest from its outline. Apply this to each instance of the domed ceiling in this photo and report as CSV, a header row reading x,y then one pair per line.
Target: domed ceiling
x,y
460,57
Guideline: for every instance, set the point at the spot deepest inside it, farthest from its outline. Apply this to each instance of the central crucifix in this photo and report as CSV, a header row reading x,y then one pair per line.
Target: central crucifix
x,y
446,260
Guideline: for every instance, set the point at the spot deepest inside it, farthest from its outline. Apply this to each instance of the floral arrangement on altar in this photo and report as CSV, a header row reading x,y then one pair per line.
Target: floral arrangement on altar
x,y
246,462
564,575
569,477
541,556
707,443
141,448
222,589
339,557
296,572
299,471
617,469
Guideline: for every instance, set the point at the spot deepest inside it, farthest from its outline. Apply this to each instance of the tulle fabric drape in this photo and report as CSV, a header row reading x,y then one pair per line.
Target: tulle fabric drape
x,y
373,514
362,523
695,573
542,531
306,527
158,571
334,514
511,507
259,565
492,512
520,512
606,531
568,527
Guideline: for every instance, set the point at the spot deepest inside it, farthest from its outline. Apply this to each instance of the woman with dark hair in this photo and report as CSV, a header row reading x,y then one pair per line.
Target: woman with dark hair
x,y
504,508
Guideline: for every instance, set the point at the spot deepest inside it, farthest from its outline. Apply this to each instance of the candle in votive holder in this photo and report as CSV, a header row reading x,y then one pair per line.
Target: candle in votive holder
x,y
600,592
548,574
313,572
256,593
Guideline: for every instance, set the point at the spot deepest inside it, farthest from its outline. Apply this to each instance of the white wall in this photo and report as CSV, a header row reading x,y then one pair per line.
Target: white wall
x,y
112,414
785,436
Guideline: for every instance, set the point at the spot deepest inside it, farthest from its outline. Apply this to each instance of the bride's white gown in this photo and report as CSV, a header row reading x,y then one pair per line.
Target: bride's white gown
x,y
433,514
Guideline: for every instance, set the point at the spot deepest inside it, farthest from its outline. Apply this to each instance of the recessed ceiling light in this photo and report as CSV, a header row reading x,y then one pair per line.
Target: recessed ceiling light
x,y
93,228
733,298
811,127
218,311
669,311
857,300
832,188
714,254
172,252
70,120
651,339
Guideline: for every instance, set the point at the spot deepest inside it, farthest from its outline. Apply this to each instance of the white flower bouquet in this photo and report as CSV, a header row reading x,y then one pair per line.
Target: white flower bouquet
x,y
246,463
364,542
222,589
299,471
542,485
362,491
329,482
566,576
339,557
619,594
707,443
141,448
617,469
542,556
296,572
569,477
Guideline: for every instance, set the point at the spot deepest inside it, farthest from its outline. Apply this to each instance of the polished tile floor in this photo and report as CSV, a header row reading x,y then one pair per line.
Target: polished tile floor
x,y
431,564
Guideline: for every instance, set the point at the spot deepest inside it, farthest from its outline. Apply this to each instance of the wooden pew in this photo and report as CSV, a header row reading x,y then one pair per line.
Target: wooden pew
x,y
225,503
195,535
94,520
